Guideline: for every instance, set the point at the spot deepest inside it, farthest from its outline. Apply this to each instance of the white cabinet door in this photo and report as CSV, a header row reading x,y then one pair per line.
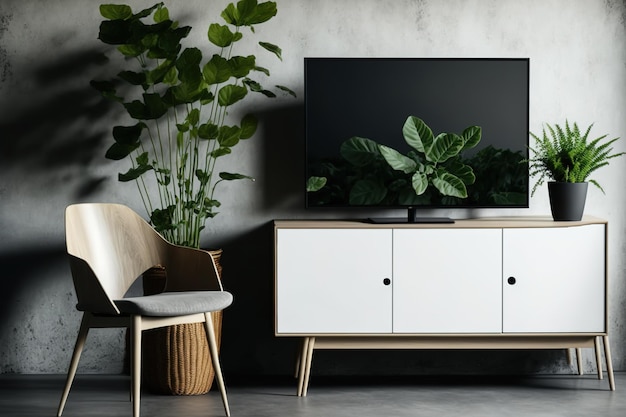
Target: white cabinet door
x,y
559,278
447,281
332,281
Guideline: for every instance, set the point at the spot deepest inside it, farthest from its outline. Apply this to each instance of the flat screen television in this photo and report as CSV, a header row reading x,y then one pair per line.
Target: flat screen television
x,y
357,109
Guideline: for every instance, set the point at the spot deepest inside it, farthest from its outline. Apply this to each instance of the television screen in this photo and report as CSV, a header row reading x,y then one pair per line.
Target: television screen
x,y
417,132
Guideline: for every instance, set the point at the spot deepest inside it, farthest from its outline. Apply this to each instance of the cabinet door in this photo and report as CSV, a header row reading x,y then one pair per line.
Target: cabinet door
x,y
447,281
559,279
332,281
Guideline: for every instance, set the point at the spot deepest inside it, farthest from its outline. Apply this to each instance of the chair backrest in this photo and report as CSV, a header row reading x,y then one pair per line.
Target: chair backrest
x,y
109,246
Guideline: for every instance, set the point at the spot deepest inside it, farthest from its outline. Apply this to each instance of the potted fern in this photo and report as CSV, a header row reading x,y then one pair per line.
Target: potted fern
x,y
566,157
184,120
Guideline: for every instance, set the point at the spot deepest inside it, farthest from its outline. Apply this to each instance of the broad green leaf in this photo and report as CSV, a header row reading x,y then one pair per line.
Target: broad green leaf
x,y
208,131
170,41
133,78
183,127
217,70
230,94
119,151
359,151
464,172
253,85
115,11
162,219
448,184
398,161
287,90
248,12
160,73
134,173
229,176
445,146
263,70
315,183
187,92
272,48
228,136
128,135
367,192
211,203
148,11
137,110
417,134
188,65
115,32
194,117
142,159
231,15
471,136
220,35
150,40
171,78
248,126
131,50
262,13
419,181
267,93
161,14
220,152
155,106
240,66
202,176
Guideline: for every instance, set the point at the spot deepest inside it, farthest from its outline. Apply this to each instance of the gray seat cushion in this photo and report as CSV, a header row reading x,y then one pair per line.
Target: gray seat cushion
x,y
175,303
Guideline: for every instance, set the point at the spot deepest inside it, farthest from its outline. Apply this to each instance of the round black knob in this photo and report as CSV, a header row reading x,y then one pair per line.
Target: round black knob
x,y
511,280
386,281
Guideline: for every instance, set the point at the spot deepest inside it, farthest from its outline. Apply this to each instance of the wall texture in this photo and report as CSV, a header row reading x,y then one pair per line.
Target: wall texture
x,y
54,130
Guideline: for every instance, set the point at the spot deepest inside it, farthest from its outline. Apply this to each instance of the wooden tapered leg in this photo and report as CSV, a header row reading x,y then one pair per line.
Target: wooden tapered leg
x,y
135,369
579,360
598,352
302,364
609,363
78,349
307,366
570,359
298,370
210,331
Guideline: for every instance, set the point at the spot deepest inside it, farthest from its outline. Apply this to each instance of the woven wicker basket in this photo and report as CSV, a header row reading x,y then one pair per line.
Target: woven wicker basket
x,y
176,358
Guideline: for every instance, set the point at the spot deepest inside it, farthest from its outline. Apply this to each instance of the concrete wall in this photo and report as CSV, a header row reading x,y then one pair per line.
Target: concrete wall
x,y
54,130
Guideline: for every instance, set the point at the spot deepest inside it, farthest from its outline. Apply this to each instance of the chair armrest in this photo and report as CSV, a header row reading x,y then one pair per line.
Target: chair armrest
x,y
190,269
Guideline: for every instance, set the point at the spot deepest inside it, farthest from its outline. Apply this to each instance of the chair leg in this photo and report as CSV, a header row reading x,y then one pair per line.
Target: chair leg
x,y
78,349
210,331
135,329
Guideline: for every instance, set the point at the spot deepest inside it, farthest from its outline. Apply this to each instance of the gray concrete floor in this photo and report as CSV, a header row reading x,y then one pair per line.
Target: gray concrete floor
x,y
537,396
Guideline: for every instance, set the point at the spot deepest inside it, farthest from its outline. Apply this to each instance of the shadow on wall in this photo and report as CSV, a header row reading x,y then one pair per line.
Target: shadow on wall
x,y
53,136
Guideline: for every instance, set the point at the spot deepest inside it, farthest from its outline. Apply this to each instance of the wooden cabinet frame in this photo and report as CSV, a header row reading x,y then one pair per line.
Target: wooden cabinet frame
x,y
530,340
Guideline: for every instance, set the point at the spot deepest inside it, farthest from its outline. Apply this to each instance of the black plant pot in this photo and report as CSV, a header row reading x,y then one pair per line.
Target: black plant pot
x,y
567,200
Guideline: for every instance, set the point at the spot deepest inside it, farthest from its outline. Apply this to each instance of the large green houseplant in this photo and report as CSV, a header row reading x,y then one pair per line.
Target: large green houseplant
x,y
566,157
181,101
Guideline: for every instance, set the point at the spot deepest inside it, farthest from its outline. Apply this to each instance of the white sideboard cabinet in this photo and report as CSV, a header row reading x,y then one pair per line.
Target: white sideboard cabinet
x,y
493,283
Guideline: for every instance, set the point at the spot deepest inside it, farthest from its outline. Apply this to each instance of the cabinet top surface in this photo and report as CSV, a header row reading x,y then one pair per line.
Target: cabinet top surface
x,y
485,222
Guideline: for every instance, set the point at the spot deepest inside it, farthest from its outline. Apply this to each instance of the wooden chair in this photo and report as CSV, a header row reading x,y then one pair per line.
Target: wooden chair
x,y
109,246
